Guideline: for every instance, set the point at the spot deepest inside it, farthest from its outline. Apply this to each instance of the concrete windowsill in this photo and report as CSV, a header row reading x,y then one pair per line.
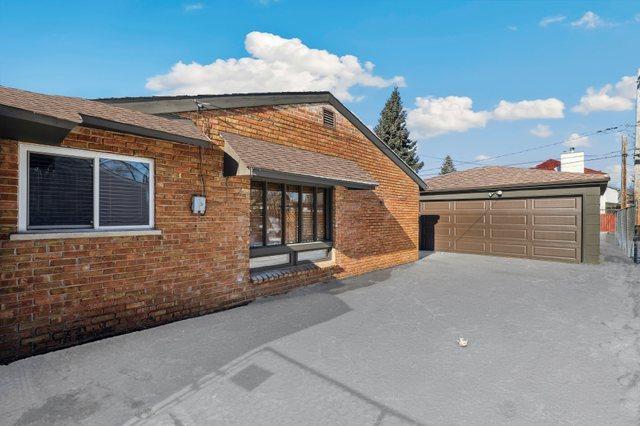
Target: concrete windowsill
x,y
26,236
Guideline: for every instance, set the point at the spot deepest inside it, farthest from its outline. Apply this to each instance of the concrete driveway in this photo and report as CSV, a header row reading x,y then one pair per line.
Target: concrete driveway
x,y
548,343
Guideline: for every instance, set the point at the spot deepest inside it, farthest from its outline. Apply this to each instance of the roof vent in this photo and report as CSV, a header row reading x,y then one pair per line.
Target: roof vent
x,y
328,117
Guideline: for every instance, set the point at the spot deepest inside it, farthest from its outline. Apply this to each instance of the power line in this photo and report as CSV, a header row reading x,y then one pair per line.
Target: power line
x,y
607,130
603,156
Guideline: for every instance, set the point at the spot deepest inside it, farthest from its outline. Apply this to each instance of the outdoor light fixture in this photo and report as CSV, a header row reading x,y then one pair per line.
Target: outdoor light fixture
x,y
497,193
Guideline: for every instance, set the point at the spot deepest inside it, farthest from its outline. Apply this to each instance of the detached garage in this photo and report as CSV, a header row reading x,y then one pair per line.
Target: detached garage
x,y
514,212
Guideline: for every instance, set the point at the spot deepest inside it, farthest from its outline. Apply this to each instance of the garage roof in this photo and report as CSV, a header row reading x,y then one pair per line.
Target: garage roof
x,y
274,161
67,112
499,177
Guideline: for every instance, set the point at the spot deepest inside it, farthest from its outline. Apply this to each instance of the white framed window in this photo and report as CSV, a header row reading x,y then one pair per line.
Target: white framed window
x,y
73,189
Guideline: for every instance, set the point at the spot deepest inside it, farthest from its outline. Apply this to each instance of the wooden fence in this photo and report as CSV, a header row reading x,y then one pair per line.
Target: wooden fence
x,y
607,222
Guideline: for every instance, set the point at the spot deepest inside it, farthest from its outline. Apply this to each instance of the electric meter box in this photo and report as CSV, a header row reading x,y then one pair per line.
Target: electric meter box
x,y
198,204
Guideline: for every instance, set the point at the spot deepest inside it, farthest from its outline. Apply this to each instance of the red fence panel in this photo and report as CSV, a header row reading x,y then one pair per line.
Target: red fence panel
x,y
607,222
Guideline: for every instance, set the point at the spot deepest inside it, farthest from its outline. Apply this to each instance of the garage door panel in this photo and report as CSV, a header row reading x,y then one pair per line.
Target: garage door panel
x,y
508,204
468,219
555,203
469,205
555,220
473,232
470,246
540,228
563,253
500,233
439,205
509,249
569,236
507,219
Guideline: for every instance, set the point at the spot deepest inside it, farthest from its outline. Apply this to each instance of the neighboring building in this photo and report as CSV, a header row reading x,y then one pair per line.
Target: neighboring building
x,y
610,200
98,234
573,162
513,212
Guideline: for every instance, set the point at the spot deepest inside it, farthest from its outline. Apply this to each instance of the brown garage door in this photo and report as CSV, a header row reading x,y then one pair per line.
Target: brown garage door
x,y
539,228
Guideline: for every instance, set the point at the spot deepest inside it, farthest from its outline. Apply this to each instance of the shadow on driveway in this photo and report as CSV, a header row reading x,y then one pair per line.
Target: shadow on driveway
x,y
261,380
112,380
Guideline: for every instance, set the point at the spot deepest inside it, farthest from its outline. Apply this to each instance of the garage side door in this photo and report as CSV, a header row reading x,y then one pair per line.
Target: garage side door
x,y
537,228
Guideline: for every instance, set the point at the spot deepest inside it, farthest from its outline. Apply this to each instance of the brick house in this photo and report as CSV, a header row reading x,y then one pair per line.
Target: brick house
x,y
103,229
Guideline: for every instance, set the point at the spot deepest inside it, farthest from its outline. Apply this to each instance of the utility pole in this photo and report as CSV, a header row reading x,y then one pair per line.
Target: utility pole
x,y
636,173
623,172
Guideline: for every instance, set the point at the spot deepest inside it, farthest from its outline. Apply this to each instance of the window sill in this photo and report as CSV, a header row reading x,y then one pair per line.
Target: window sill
x,y
27,236
277,273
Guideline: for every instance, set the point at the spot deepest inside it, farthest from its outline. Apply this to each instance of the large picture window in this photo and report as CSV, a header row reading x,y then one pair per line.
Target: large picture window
x,y
63,188
256,215
274,214
287,214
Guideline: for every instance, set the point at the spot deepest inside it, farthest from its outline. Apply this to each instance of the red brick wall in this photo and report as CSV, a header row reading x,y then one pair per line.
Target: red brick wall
x,y
54,293
373,229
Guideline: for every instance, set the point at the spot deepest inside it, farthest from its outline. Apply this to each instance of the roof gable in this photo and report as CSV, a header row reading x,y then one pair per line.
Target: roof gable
x,y
175,104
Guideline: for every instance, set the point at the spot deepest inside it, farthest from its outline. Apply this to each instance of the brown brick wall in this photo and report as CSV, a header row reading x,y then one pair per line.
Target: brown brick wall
x,y
54,293
373,229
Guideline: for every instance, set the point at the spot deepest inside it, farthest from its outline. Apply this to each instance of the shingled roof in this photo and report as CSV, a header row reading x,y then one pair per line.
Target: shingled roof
x,y
68,112
183,103
499,177
270,160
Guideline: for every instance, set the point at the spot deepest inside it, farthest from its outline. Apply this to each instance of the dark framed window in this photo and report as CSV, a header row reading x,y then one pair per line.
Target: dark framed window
x,y
60,192
292,210
287,214
64,188
308,214
274,214
256,215
124,193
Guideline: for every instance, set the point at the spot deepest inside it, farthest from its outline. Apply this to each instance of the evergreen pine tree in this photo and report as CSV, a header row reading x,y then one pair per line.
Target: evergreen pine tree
x,y
447,166
392,129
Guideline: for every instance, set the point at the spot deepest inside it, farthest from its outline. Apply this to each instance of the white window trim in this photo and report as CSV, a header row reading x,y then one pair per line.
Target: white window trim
x,y
23,188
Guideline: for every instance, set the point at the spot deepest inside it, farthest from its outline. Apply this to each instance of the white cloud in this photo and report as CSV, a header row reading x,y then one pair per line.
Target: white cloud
x,y
575,140
535,109
590,21
609,97
481,157
541,131
437,116
549,20
626,87
193,6
614,172
512,28
276,64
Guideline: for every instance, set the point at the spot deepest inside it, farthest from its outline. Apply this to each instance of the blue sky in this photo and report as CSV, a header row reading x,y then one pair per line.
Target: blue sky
x,y
448,54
